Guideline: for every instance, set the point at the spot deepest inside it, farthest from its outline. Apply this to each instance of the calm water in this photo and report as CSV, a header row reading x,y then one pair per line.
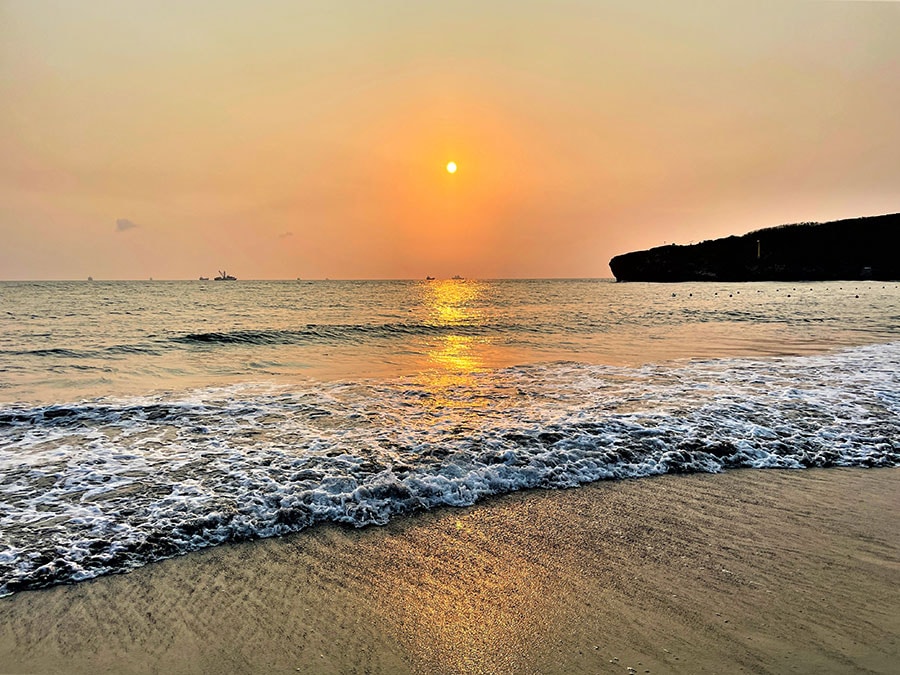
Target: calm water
x,y
140,420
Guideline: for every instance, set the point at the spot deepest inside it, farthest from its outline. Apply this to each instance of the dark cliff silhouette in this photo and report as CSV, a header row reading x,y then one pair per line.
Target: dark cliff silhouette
x,y
857,248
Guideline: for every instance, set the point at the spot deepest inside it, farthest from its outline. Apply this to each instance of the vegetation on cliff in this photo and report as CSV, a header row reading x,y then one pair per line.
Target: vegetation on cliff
x,y
856,248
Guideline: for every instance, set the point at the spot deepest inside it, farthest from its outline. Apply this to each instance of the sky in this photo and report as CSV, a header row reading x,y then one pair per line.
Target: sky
x,y
285,139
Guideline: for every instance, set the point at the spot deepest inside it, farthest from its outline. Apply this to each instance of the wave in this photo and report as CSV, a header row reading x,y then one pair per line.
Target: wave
x,y
58,352
107,486
310,334
336,333
79,354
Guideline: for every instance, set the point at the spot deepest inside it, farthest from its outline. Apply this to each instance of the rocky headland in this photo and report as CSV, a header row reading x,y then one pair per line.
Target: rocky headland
x,y
852,249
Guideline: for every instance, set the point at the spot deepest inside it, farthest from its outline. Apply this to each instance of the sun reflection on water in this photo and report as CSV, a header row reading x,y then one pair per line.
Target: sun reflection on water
x,y
453,302
454,358
456,353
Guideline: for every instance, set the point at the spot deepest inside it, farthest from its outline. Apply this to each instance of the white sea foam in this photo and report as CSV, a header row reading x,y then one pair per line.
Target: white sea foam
x,y
107,485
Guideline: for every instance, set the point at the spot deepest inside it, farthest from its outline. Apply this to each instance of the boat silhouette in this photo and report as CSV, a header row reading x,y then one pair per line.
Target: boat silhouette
x,y
224,276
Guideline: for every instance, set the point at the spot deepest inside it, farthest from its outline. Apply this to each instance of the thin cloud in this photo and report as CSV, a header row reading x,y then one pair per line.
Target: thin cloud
x,y
285,235
123,224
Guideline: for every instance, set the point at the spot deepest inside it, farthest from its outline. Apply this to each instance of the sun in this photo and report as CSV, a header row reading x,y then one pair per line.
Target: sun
x,y
451,167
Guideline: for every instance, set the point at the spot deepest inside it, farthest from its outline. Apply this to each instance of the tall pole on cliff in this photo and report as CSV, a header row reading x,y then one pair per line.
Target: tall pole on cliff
x,y
758,250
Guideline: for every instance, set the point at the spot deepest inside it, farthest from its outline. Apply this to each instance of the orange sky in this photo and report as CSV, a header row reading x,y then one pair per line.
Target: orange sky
x,y
284,139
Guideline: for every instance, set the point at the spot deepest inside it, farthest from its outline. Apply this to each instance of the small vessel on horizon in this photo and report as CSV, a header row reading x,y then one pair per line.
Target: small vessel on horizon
x,y
204,278
457,277
224,276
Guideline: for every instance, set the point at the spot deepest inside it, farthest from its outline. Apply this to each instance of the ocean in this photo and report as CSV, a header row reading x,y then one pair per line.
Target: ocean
x,y
142,420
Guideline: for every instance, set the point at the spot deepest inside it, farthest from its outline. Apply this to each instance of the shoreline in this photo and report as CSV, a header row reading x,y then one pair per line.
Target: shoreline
x,y
750,570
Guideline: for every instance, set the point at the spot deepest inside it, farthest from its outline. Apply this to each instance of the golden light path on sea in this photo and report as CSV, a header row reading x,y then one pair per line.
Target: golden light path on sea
x,y
453,358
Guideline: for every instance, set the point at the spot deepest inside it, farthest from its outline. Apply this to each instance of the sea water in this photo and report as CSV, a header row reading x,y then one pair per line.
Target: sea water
x,y
141,420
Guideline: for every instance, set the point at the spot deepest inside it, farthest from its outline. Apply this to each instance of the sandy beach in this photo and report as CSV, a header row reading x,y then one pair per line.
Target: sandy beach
x,y
748,571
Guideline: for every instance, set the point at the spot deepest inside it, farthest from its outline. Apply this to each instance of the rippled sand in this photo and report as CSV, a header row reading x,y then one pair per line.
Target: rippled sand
x,y
760,571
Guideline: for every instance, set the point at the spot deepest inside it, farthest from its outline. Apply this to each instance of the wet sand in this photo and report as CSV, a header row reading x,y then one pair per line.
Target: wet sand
x,y
750,571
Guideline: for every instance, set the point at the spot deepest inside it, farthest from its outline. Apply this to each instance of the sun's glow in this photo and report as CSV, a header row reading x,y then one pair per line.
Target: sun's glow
x,y
451,167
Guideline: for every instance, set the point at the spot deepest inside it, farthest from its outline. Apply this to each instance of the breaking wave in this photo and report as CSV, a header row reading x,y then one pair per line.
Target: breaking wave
x,y
108,485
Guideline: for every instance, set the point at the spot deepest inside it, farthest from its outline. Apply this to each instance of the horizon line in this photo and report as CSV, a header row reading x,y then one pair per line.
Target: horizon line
x,y
358,279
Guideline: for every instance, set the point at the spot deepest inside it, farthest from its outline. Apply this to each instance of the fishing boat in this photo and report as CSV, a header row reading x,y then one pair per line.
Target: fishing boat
x,y
224,276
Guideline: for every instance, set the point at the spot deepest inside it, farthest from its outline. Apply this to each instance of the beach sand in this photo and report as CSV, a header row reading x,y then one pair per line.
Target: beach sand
x,y
748,571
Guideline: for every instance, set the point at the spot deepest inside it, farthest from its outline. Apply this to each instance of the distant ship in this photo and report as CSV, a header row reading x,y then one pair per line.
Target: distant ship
x,y
457,277
204,278
224,276
429,278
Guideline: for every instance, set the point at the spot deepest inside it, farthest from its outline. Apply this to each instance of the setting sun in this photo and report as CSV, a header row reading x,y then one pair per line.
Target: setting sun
x,y
451,167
